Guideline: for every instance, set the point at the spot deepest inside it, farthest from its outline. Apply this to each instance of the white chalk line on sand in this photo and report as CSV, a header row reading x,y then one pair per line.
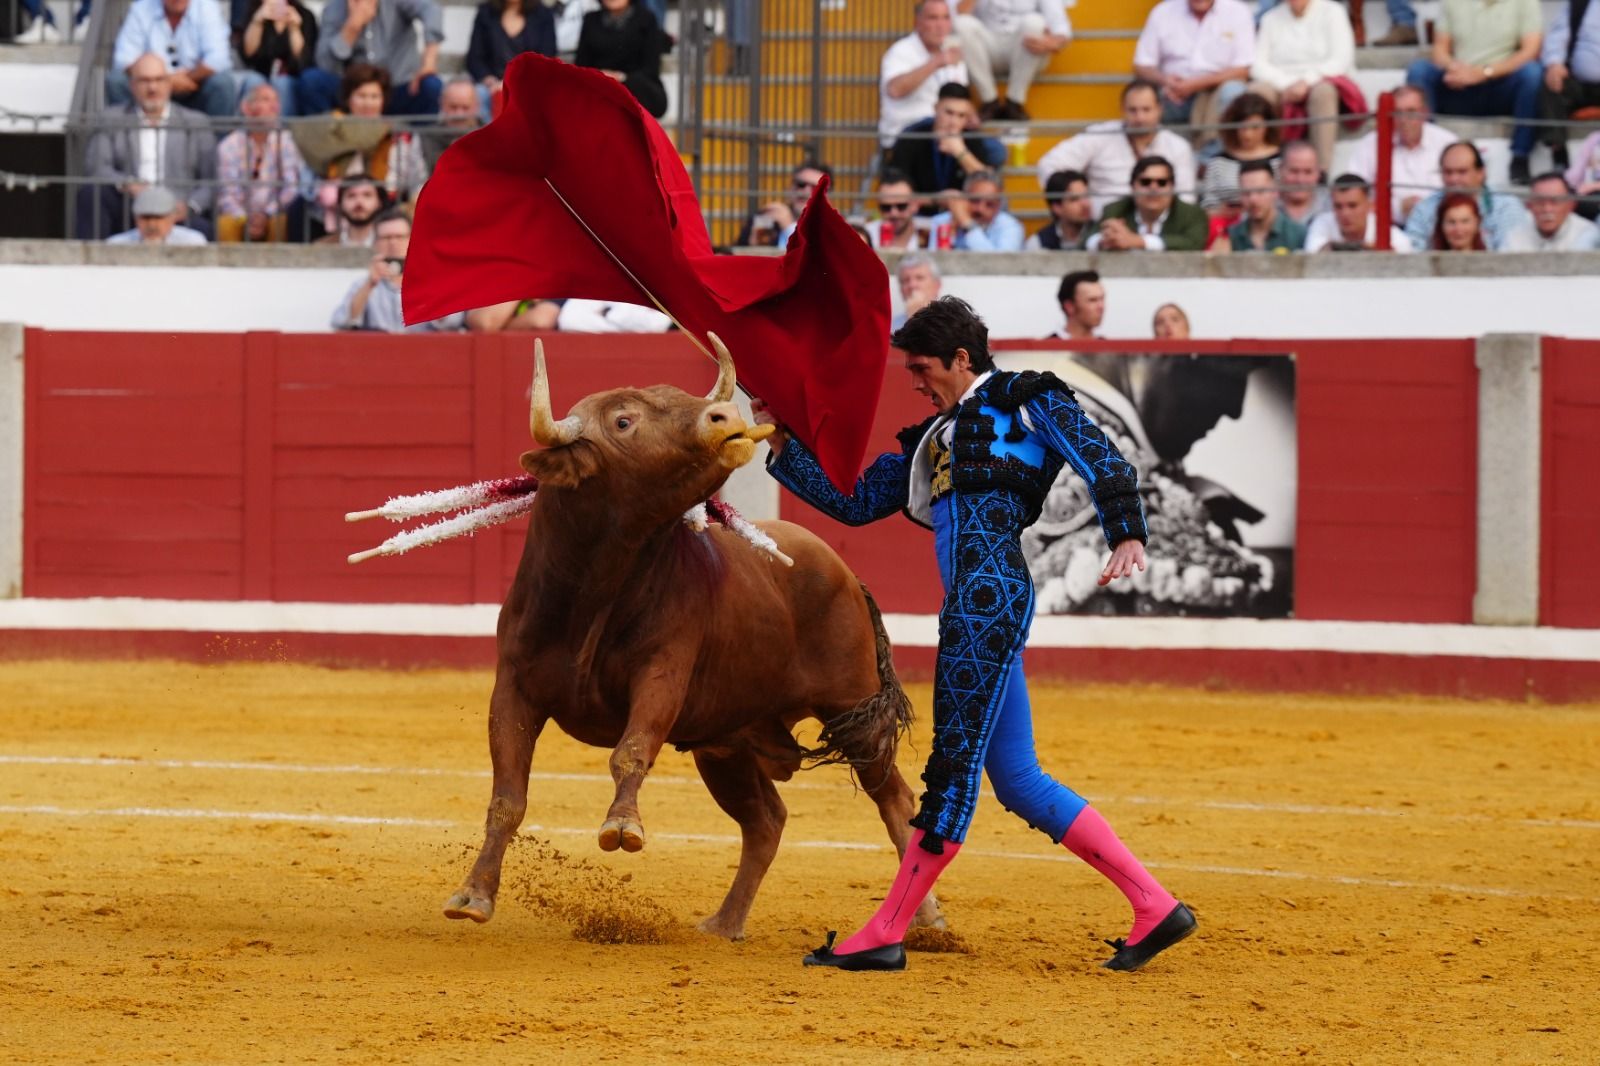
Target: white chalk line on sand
x,y
313,818
819,786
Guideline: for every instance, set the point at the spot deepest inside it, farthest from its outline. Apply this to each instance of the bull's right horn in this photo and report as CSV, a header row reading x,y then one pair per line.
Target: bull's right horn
x,y
722,392
545,429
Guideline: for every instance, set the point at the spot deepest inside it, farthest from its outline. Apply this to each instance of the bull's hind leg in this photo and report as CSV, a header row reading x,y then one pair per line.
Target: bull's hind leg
x,y
513,728
741,787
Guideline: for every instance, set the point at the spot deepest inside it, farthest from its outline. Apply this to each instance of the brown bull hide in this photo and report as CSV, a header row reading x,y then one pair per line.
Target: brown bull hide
x,y
629,631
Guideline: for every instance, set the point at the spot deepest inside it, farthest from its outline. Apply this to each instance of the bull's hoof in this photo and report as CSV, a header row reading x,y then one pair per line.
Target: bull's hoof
x,y
621,833
929,915
465,905
717,926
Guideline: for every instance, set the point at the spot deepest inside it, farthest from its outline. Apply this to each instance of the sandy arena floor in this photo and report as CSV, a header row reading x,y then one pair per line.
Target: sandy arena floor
x,y
216,864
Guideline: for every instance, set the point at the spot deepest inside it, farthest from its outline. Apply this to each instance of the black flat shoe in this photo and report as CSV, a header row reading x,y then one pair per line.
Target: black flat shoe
x,y
1178,924
888,957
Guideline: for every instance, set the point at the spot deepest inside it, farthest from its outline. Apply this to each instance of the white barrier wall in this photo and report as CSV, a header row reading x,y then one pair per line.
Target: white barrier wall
x,y
214,298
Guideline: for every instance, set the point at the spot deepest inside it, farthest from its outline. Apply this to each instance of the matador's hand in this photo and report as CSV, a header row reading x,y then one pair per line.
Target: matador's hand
x,y
1124,557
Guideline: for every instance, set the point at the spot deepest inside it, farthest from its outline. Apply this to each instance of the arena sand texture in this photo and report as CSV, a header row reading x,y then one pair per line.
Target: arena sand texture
x,y
1395,881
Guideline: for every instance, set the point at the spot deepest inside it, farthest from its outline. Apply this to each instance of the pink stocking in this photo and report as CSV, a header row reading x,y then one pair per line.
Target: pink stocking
x,y
1091,839
918,871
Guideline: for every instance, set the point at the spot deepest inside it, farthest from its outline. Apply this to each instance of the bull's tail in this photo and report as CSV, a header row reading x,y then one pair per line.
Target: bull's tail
x,y
868,734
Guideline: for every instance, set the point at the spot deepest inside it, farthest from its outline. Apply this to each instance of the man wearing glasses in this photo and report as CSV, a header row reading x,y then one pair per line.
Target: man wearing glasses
x,y
774,224
976,219
897,214
192,38
1554,226
1153,219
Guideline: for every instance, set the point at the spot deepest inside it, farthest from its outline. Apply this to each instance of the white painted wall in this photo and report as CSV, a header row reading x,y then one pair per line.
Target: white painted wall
x,y
235,298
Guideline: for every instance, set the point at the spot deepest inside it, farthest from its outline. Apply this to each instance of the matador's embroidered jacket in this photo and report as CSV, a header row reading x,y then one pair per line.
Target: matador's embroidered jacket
x,y
987,479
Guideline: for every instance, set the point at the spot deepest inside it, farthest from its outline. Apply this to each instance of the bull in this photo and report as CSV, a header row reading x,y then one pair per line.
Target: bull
x,y
630,630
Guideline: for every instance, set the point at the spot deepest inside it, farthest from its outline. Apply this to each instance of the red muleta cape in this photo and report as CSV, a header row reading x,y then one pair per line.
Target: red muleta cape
x,y
808,331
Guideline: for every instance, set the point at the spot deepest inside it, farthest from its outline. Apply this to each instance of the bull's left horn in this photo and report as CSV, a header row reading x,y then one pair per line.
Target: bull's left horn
x,y
541,423
722,392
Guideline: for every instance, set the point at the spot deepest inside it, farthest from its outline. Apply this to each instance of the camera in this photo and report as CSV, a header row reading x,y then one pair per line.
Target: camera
x,y
397,264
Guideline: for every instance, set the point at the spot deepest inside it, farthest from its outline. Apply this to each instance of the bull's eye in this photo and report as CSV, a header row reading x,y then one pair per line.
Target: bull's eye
x,y
623,421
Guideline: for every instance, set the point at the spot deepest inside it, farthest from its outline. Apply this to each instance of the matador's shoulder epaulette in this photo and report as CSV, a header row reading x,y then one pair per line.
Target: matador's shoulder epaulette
x,y
1009,392
912,436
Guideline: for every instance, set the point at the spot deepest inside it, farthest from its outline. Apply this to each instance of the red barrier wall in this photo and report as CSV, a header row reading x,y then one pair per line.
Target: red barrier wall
x,y
220,466
1569,521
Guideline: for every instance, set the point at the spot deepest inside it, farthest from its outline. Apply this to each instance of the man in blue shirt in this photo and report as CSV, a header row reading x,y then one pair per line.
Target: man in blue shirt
x,y
193,40
1571,58
976,219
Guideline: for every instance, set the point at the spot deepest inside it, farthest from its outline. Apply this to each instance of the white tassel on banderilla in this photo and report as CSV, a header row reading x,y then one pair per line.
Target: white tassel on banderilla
x,y
489,503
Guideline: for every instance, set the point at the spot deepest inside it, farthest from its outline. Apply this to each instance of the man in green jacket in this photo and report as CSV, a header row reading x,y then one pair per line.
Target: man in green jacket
x,y
1153,218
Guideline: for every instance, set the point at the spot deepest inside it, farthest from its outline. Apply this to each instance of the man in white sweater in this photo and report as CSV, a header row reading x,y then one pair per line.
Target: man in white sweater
x,y
1106,151
1300,44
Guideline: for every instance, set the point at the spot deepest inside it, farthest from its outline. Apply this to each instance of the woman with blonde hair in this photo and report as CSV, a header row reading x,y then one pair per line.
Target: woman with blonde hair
x,y
1170,323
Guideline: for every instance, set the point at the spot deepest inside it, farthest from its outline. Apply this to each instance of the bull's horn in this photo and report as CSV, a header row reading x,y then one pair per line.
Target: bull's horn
x,y
545,429
723,391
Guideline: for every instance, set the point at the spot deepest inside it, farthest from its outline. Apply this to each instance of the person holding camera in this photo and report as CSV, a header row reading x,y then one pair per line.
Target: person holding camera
x,y
373,303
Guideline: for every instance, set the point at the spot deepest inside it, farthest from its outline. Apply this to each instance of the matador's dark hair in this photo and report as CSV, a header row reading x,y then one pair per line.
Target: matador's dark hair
x,y
943,326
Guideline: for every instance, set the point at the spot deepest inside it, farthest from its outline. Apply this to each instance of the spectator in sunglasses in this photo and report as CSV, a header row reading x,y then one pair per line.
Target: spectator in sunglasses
x,y
979,222
1153,218
774,224
897,214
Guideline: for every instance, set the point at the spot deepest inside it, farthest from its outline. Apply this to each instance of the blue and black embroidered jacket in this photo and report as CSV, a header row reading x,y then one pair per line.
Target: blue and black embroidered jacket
x,y
1012,435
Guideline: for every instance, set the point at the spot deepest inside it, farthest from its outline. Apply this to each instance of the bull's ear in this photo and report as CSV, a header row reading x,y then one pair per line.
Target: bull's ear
x,y
560,468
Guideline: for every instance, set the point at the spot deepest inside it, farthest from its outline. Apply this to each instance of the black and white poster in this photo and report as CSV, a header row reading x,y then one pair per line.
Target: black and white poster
x,y
1213,438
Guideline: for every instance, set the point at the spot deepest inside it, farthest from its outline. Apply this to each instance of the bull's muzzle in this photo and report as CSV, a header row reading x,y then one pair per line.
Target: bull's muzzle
x,y
733,439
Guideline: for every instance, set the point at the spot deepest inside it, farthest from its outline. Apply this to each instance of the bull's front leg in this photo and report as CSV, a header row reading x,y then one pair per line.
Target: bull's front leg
x,y
513,728
657,696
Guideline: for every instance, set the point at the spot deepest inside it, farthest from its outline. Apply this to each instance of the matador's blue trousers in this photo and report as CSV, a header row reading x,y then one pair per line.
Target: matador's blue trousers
x,y
982,718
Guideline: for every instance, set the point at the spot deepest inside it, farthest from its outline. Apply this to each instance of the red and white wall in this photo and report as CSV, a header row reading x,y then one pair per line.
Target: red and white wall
x,y
184,494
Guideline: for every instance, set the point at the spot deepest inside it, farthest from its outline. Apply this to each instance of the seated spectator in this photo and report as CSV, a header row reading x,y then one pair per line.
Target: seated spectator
x,y
1351,225
396,160
1418,143
1066,194
361,202
1199,52
938,153
1485,61
1011,37
1461,167
1251,141
152,141
897,214
977,219
1301,193
624,41
258,171
914,69
1083,301
460,112
155,215
1459,227
373,303
920,284
1106,151
501,31
1153,218
1571,58
1305,56
601,316
1554,227
774,224
278,41
1263,228
383,34
1402,26
515,315
1170,323
191,40
1584,176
